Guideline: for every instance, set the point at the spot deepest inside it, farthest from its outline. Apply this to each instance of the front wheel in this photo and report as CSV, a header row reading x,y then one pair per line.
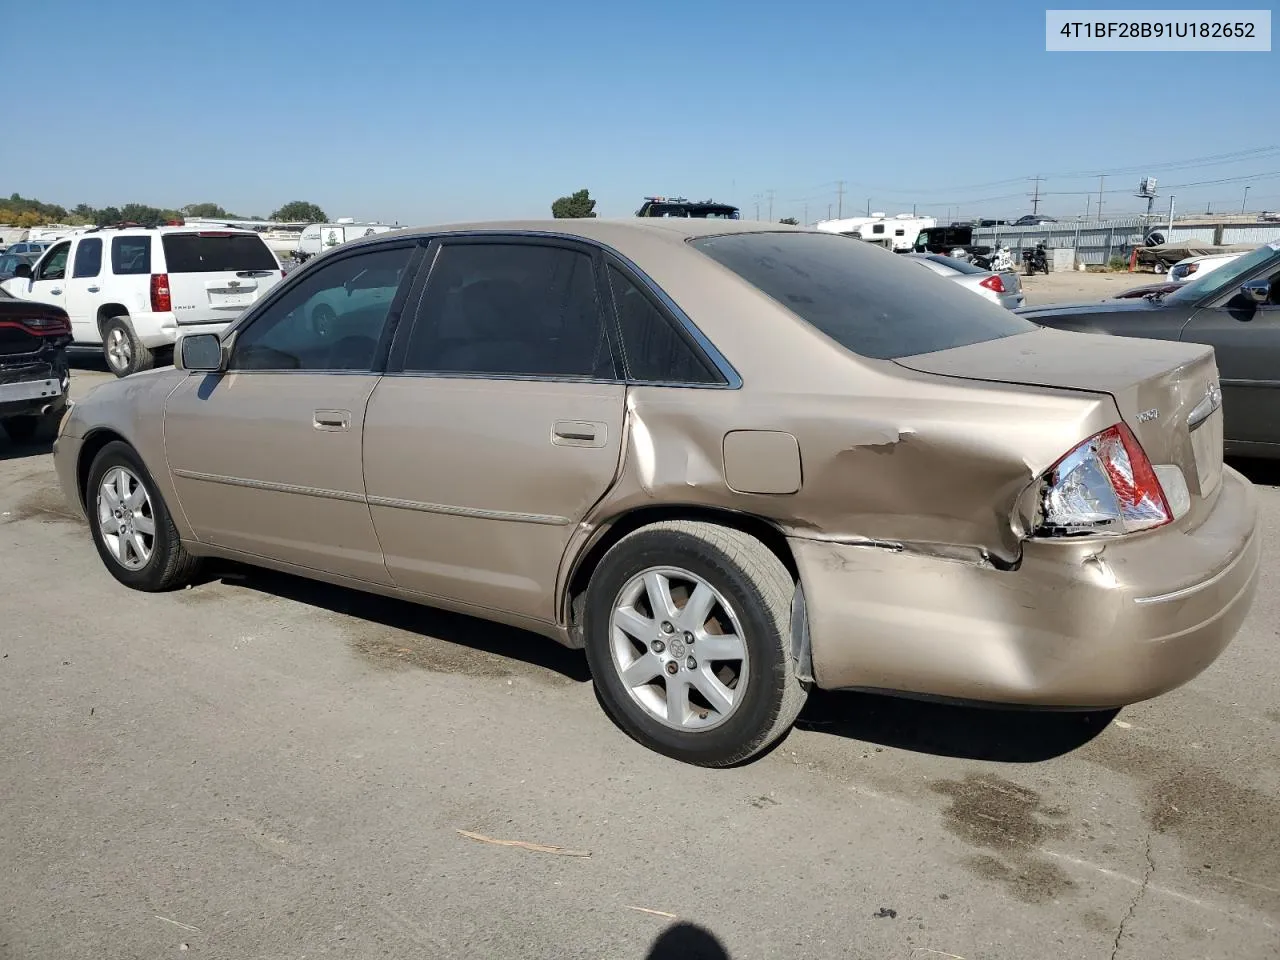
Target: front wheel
x,y
687,630
131,524
124,352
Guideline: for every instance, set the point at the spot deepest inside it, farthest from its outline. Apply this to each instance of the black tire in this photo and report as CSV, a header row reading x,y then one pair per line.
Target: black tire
x,y
22,429
169,566
133,355
761,590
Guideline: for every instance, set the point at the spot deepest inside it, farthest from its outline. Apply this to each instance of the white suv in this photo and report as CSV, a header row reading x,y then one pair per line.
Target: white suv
x,y
132,291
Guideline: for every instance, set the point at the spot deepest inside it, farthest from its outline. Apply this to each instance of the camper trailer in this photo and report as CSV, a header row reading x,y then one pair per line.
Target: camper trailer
x,y
318,237
896,233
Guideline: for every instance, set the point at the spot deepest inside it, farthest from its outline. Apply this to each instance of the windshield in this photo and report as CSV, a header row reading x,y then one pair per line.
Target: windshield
x,y
871,302
1228,275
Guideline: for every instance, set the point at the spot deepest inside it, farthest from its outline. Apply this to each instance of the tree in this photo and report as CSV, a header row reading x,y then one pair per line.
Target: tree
x,y
576,205
144,215
198,210
300,210
790,220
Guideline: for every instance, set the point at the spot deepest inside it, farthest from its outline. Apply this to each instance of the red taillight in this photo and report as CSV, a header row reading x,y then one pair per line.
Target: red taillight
x,y
1106,485
993,283
161,302
43,326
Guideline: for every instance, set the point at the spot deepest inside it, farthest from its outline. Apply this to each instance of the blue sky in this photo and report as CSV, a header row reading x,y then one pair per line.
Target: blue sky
x,y
424,111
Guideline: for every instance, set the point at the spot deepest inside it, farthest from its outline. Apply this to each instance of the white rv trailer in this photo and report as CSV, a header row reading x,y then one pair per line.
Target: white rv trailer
x,y
897,233
319,237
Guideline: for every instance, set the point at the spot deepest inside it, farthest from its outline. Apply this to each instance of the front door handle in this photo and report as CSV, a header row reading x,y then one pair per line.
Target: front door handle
x,y
580,433
56,291
332,420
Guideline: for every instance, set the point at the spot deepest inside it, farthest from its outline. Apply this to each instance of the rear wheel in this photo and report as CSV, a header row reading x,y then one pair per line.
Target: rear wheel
x,y
131,525
124,352
687,629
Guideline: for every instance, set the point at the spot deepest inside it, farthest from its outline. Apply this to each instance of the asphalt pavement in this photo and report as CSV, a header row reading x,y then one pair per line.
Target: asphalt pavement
x,y
261,767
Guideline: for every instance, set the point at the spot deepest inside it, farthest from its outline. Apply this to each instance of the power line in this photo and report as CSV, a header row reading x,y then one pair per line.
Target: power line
x,y
1035,199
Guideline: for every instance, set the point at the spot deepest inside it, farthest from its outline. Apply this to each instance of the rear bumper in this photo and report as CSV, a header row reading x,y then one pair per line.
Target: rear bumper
x,y
33,389
163,329
1076,625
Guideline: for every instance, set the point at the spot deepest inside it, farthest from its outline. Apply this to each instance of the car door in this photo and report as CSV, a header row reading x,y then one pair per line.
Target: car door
x,y
498,425
266,457
48,278
1245,337
84,288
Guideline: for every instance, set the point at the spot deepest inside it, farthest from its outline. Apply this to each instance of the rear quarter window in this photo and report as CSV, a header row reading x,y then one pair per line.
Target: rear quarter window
x,y
871,302
130,255
216,253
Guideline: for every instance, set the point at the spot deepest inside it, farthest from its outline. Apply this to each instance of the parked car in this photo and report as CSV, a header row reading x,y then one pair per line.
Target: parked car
x,y
731,460
1032,220
1184,270
131,291
29,246
1145,290
944,239
35,380
1236,310
1004,289
9,263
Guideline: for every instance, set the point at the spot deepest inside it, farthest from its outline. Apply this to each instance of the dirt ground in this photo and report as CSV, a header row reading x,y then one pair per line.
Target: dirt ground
x,y
1064,287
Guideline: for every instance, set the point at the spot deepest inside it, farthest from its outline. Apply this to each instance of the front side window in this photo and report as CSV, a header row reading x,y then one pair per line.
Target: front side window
x,y
88,258
331,319
873,305
511,310
655,351
130,255
54,265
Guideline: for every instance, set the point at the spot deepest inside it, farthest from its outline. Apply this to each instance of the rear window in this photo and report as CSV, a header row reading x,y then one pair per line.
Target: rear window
x,y
959,266
868,300
216,253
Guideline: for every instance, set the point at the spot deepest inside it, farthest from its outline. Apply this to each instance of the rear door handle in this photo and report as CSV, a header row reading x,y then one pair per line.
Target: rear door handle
x,y
94,289
332,420
580,433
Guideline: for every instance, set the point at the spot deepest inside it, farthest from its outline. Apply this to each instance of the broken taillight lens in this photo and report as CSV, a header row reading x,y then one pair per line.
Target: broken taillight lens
x,y
1104,486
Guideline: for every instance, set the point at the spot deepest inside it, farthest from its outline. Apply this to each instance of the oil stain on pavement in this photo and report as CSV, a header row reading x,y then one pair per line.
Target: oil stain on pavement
x,y
1012,822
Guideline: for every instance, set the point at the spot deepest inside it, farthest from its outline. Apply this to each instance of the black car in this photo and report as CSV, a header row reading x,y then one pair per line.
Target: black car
x,y
34,377
1236,310
683,207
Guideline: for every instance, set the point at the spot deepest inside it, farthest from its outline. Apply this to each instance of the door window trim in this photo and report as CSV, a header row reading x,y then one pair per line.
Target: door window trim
x,y
48,255
379,367
400,347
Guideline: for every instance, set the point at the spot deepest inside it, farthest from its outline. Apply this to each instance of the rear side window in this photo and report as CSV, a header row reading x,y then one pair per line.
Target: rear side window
x,y
88,258
510,310
216,253
866,299
130,255
655,351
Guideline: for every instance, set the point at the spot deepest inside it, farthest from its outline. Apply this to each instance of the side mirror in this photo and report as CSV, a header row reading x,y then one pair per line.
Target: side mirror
x,y
22,271
1257,291
202,353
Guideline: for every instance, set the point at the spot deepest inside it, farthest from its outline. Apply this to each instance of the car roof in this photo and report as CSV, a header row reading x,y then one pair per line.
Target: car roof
x,y
619,232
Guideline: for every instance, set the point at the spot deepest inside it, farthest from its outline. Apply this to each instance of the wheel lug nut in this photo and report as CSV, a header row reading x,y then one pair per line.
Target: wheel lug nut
x,y
672,667
688,637
658,646
691,663
667,627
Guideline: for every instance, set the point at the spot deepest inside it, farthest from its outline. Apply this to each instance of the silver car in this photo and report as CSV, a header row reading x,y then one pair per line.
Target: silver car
x,y
1004,289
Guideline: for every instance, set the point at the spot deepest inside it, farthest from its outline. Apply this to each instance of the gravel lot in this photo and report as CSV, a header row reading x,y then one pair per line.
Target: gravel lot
x,y
259,767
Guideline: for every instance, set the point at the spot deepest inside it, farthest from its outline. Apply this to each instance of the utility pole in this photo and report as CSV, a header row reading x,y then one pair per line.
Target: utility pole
x,y
828,211
1088,203
1170,237
1101,180
756,198
806,216
771,206
913,209
1245,203
1035,197
868,206
839,201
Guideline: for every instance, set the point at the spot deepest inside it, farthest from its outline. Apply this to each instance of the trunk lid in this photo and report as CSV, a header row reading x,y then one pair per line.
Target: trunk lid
x,y
214,276
1166,391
